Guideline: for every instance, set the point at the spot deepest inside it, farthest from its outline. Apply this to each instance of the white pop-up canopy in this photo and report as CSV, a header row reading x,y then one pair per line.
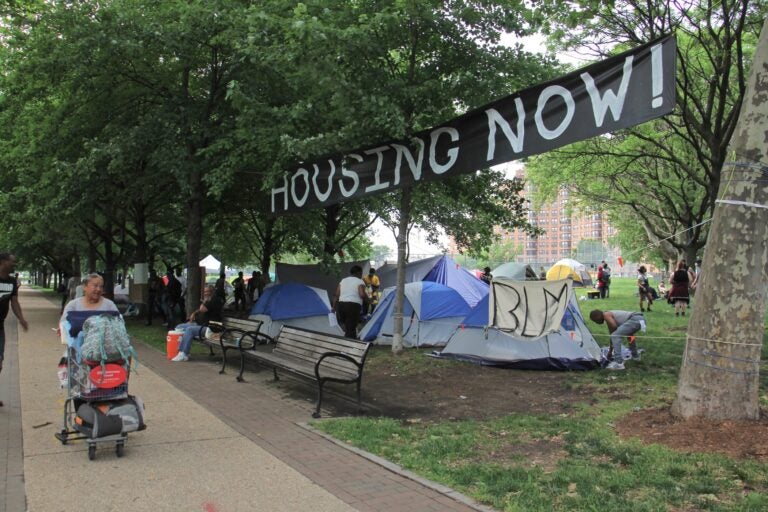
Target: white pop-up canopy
x,y
210,263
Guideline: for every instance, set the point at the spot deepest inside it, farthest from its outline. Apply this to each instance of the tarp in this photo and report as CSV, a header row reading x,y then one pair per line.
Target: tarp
x,y
518,271
528,309
568,268
297,305
571,347
439,269
319,276
431,312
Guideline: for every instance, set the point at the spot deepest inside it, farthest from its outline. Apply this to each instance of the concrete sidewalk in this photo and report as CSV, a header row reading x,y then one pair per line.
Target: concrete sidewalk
x,y
211,444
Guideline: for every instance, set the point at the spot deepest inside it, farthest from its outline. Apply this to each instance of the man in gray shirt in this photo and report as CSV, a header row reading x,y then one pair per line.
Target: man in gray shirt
x,y
620,324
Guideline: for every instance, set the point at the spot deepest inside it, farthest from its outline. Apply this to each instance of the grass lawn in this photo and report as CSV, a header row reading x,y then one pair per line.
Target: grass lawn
x,y
574,460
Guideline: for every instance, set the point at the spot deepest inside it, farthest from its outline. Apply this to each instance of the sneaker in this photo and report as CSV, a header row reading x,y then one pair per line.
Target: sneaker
x,y
613,365
636,356
180,357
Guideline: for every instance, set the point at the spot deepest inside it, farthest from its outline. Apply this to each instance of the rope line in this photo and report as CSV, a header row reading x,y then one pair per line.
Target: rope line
x,y
741,203
718,368
709,353
726,342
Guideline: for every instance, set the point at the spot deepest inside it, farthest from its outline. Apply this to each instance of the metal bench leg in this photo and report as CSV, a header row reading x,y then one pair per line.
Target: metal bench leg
x,y
210,348
359,401
242,367
275,370
223,359
320,384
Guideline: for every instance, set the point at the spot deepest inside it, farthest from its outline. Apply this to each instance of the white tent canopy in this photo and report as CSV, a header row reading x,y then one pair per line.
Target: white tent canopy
x,y
210,263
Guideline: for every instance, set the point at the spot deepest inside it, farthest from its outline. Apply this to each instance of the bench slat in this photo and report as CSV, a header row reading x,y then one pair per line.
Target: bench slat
x,y
302,349
298,350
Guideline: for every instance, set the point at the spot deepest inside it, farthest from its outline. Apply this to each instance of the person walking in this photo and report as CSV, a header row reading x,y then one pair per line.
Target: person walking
x,y
679,295
239,285
644,288
349,299
9,299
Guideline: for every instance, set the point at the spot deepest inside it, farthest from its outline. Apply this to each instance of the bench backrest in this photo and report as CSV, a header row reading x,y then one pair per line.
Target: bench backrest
x,y
310,345
243,324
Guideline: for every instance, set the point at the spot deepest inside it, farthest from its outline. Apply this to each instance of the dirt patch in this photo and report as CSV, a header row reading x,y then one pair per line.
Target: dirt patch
x,y
466,391
737,439
452,391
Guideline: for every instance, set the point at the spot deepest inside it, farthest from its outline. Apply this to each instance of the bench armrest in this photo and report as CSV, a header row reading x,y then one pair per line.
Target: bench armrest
x,y
256,338
340,356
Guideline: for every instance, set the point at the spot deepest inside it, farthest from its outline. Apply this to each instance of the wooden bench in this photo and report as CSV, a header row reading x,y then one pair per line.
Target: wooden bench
x,y
314,356
234,333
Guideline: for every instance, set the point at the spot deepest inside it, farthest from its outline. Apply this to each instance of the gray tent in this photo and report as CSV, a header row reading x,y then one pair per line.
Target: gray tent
x,y
517,271
572,347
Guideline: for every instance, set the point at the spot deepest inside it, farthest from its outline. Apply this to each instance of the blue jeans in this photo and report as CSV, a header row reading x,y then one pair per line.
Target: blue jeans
x,y
191,330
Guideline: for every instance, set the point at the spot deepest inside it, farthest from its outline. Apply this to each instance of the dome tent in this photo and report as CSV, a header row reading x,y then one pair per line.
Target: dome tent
x,y
570,347
568,268
431,312
297,305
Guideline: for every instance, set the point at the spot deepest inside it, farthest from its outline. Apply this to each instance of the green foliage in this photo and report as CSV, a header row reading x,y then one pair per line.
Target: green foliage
x,y
663,175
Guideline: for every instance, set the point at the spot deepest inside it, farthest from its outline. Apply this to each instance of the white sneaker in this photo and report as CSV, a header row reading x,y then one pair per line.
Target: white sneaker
x,y
613,365
180,357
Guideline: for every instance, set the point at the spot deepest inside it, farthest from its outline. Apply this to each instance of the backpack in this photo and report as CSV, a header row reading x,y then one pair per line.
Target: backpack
x,y
105,340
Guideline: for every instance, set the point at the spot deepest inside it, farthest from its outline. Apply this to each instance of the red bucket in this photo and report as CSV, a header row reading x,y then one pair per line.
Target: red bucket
x,y
172,342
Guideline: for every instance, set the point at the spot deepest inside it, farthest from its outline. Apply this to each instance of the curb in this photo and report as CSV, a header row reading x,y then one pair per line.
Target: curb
x,y
399,470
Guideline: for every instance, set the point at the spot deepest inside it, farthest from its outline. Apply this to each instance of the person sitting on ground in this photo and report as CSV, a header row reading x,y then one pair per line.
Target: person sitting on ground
x,y
209,310
620,324
663,292
349,299
643,288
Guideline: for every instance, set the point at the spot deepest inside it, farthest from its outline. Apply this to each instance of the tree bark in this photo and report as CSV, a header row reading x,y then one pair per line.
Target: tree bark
x,y
194,238
402,243
719,378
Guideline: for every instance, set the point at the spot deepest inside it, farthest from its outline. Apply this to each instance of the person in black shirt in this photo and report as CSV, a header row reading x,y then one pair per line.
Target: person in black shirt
x,y
209,311
239,285
9,299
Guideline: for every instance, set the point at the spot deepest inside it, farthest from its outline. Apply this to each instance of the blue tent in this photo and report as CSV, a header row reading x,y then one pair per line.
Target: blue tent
x,y
440,269
431,312
294,304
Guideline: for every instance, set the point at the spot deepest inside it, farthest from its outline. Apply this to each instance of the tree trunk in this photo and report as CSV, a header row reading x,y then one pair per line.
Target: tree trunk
x,y
402,243
194,237
719,378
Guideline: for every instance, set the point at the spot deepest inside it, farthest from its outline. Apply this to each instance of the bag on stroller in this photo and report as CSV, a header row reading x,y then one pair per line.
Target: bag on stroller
x,y
100,419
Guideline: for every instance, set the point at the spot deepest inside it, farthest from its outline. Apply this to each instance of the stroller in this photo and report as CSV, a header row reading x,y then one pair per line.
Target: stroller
x,y
97,407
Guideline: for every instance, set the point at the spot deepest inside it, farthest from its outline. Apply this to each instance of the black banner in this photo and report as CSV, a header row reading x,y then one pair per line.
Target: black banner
x,y
625,90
